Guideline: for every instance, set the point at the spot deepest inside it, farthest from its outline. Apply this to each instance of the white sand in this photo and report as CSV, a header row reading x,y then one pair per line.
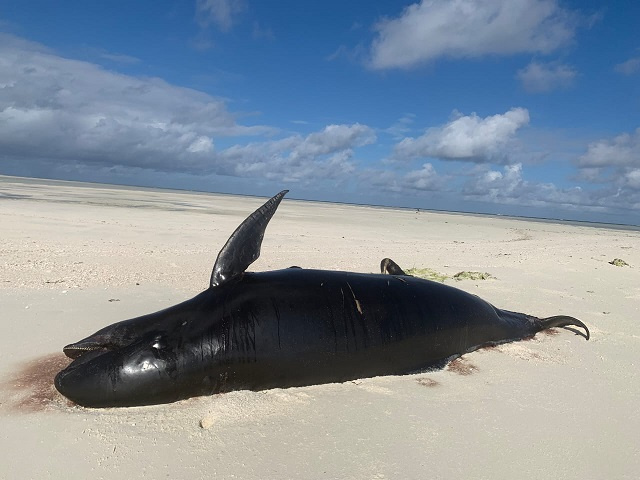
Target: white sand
x,y
75,259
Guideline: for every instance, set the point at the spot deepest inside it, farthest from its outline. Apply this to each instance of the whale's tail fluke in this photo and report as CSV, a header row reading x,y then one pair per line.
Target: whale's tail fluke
x,y
563,321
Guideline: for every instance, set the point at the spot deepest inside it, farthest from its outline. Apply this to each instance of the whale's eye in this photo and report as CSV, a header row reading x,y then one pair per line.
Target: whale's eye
x,y
159,342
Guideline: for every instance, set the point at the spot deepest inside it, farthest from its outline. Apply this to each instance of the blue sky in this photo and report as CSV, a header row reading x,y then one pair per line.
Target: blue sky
x,y
524,107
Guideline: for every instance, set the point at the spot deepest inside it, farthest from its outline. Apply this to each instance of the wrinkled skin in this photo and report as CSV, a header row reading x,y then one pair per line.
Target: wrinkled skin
x,y
286,328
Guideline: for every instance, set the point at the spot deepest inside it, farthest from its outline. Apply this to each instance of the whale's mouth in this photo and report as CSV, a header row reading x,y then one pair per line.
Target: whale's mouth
x,y
77,350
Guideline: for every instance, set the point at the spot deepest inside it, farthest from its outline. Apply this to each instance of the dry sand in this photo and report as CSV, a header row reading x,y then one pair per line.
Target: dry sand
x,y
76,258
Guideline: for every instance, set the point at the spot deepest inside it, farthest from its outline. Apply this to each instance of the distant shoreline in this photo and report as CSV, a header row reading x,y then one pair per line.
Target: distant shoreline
x,y
115,186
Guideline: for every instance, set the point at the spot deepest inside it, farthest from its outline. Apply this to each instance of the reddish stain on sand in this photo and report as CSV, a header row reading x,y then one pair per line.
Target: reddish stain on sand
x,y
427,382
32,384
462,367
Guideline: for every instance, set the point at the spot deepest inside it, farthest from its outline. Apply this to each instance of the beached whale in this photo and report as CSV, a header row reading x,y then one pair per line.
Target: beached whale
x,y
285,328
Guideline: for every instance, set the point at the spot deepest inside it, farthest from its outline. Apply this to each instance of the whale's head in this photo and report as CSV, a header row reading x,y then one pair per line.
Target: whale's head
x,y
135,362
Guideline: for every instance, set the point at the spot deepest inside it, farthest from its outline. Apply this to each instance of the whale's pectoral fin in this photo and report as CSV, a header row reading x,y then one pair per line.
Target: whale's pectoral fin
x,y
389,266
243,246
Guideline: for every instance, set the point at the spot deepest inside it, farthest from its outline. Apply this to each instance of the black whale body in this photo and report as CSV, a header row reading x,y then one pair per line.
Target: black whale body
x,y
285,328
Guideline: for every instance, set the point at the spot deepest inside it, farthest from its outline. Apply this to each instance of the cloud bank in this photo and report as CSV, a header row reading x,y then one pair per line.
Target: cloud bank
x,y
54,109
71,115
68,110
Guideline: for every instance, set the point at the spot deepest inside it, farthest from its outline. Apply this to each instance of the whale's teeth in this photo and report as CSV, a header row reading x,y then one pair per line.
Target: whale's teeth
x,y
74,352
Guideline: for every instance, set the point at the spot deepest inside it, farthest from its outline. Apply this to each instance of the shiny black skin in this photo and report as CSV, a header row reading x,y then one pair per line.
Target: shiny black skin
x,y
285,328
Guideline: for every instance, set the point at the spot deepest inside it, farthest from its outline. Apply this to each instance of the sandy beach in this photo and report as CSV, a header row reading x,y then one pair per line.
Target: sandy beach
x,y
75,258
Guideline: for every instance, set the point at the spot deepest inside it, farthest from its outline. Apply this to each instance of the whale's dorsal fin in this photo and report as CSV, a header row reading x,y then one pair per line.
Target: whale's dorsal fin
x,y
243,246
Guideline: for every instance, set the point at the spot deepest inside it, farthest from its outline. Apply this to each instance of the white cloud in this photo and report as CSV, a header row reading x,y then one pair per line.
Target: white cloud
x,y
494,184
629,67
623,150
320,155
431,29
335,137
632,178
614,164
424,179
222,13
467,138
544,77
201,144
509,187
